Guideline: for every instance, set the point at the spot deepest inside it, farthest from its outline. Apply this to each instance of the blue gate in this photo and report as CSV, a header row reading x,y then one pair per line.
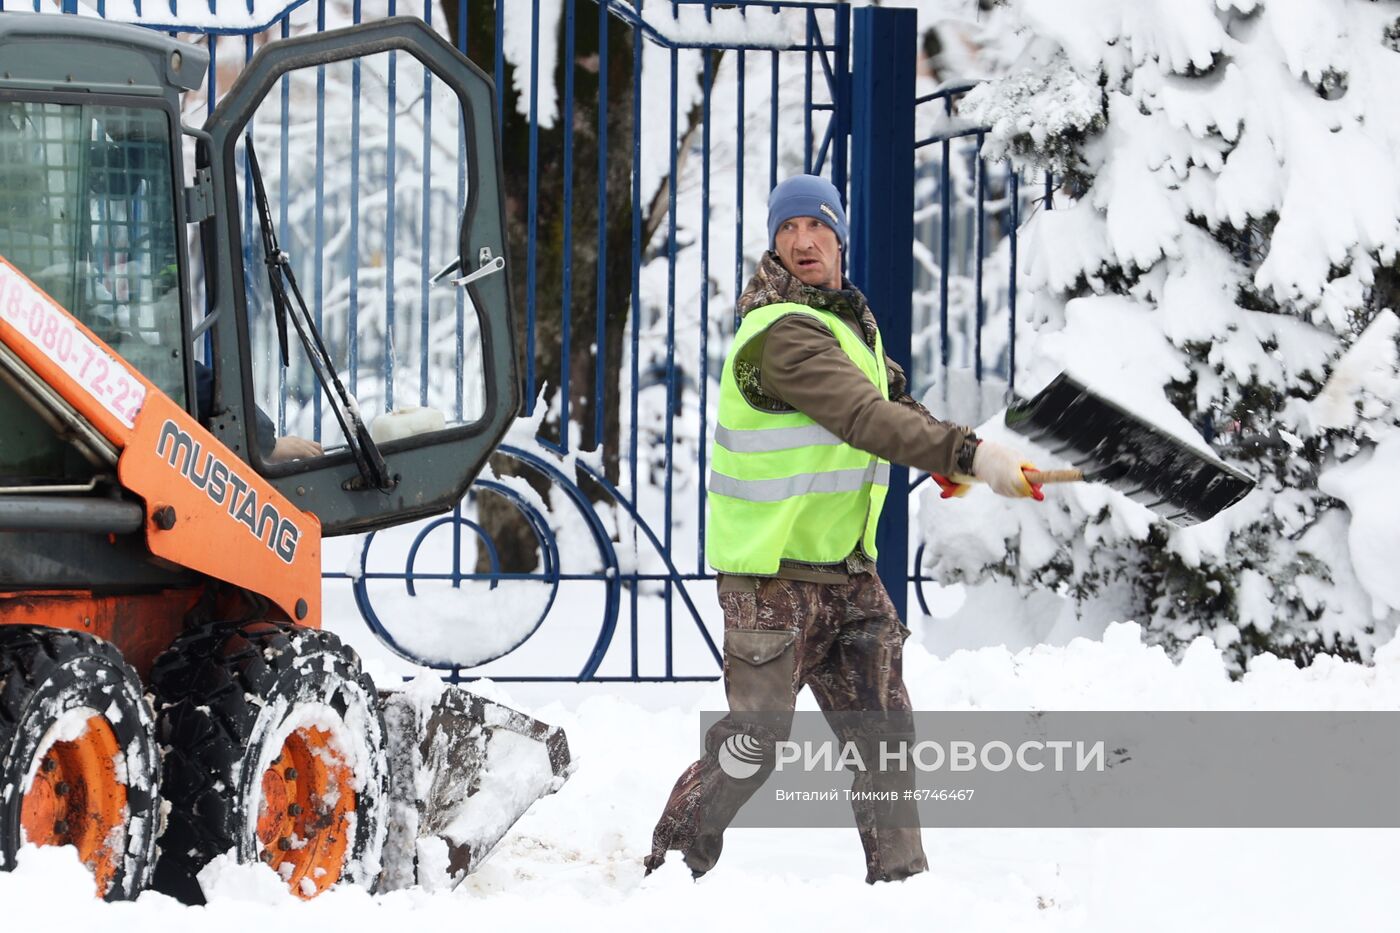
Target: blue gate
x,y
610,587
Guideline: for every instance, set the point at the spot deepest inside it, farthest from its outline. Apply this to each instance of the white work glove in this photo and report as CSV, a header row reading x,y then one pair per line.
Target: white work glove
x,y
1000,467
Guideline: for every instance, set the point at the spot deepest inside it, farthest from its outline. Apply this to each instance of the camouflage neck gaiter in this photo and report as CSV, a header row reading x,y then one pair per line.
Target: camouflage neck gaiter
x,y
772,284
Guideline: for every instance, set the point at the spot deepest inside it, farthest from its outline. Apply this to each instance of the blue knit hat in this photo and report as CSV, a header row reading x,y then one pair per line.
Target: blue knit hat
x,y
806,196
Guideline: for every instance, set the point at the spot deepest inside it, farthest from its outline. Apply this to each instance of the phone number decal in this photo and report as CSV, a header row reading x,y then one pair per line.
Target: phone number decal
x,y
53,333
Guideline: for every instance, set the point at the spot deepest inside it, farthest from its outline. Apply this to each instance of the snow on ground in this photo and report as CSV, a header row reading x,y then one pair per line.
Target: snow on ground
x,y
574,860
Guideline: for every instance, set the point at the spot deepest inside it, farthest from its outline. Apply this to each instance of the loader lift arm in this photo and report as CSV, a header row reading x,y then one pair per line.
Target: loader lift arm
x,y
205,509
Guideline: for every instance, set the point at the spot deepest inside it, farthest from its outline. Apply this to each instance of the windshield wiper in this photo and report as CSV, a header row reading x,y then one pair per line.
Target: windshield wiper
x,y
374,473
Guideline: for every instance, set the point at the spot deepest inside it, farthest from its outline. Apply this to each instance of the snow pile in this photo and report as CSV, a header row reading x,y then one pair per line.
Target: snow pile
x,y
1375,524
526,38
241,14
1227,228
227,881
695,25
515,774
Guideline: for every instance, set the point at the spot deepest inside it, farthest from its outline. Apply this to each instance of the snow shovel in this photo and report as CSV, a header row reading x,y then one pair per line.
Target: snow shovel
x,y
1110,445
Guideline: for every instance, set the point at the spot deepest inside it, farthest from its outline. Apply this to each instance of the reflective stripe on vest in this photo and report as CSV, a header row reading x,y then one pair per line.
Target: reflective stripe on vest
x,y
776,490
768,440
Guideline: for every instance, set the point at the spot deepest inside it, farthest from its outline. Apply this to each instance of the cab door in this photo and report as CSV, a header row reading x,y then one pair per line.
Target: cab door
x,y
379,162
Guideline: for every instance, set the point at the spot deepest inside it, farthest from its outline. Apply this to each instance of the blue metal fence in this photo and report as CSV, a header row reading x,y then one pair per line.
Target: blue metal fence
x,y
649,528
963,197
617,572
646,533
958,212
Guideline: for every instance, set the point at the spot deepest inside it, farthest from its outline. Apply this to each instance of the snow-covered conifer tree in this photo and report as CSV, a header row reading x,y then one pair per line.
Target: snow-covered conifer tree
x,y
1220,259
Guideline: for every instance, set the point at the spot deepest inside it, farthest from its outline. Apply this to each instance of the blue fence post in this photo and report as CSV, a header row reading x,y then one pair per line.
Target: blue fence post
x,y
882,225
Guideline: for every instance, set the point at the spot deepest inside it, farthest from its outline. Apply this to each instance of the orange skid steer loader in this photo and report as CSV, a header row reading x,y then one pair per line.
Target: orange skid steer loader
x,y
167,694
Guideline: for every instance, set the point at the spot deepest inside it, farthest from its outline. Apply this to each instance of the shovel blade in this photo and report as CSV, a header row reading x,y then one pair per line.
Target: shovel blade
x,y
462,770
1176,481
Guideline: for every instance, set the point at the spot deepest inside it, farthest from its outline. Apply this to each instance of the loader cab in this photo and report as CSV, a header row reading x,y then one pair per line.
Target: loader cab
x,y
90,206
356,173
378,181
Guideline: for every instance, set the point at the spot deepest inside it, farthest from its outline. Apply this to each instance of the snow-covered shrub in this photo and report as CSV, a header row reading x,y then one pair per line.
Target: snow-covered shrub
x,y
1221,261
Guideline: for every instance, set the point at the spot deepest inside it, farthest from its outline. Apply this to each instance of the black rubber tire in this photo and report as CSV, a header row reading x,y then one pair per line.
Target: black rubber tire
x,y
46,672
222,691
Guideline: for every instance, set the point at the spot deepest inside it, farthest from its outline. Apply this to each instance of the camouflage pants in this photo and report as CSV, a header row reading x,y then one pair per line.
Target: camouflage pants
x,y
845,641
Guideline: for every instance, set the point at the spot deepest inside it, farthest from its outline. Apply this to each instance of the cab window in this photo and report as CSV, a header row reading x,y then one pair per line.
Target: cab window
x,y
87,211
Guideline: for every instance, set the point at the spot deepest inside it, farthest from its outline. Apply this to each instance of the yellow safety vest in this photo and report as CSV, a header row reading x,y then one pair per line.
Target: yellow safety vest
x,y
782,487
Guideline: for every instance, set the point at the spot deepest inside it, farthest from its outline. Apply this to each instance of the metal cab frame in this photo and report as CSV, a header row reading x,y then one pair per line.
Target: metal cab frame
x,y
432,471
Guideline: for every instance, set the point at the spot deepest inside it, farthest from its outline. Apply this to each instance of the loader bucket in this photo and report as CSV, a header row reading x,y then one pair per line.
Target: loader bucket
x,y
1110,445
462,770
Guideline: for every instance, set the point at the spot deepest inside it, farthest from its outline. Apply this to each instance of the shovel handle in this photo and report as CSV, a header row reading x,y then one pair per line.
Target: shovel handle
x,y
1037,477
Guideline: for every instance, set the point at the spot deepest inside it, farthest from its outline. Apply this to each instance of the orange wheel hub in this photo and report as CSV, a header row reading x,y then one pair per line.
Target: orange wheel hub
x,y
304,817
76,799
